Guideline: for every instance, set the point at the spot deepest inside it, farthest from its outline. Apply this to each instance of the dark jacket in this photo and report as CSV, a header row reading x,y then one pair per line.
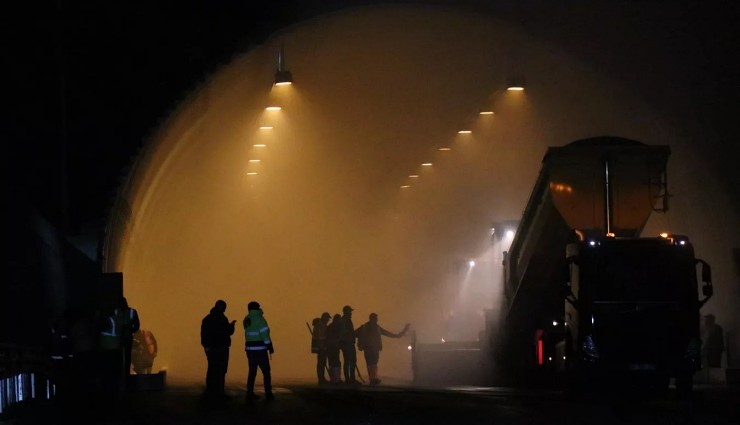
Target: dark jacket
x,y
215,330
347,336
369,336
333,333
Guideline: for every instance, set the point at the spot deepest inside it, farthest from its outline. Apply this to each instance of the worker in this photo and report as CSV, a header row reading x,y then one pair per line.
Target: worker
x,y
215,337
127,319
143,352
714,343
110,353
333,333
318,345
347,345
370,342
259,349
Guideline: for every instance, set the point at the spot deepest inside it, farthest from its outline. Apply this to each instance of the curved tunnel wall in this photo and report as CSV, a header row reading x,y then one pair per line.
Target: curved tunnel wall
x,y
325,222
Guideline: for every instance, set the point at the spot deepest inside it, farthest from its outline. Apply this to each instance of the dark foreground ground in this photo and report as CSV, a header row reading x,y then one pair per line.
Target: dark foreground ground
x,y
310,404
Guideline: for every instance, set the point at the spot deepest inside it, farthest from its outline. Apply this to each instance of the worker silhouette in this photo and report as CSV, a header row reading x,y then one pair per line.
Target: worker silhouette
x,y
370,342
714,343
347,345
127,320
215,337
318,345
259,349
333,334
143,352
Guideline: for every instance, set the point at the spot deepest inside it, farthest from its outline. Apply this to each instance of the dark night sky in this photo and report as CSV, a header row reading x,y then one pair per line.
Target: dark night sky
x,y
124,65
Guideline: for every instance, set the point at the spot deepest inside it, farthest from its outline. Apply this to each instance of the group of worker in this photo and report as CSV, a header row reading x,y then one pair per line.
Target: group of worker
x,y
215,337
329,339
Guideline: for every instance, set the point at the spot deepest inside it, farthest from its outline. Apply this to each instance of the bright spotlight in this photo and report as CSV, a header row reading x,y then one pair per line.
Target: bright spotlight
x,y
510,234
486,112
515,88
471,263
410,348
273,108
554,322
426,164
251,173
255,160
260,145
445,149
405,186
266,127
464,132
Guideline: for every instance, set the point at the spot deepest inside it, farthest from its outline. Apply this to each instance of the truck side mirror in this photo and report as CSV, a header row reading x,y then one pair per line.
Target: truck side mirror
x,y
706,277
706,272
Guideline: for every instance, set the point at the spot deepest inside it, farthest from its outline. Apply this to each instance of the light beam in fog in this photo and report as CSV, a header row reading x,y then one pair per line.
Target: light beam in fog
x,y
324,224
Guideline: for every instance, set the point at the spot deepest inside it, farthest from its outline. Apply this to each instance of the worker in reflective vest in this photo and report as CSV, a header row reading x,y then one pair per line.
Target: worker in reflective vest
x,y
258,345
110,366
127,321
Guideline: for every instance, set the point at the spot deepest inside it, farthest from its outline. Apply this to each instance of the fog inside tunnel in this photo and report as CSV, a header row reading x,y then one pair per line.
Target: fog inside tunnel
x,y
312,207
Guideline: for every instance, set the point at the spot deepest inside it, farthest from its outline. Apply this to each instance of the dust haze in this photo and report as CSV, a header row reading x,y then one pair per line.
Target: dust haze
x,y
325,221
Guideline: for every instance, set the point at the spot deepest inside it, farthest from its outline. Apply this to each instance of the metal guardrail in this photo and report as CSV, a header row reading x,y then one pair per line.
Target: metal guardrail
x,y
24,375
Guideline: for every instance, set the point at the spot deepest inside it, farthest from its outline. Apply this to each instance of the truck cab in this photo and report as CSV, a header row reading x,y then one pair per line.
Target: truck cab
x,y
632,310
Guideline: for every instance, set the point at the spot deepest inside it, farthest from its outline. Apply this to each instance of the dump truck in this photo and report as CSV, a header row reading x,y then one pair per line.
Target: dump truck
x,y
589,300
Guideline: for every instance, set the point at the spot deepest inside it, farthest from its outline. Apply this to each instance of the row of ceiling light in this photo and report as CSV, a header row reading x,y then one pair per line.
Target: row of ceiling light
x,y
511,86
283,77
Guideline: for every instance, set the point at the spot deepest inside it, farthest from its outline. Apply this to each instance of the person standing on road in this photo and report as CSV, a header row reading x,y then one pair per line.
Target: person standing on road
x,y
714,343
215,337
259,349
347,345
370,342
144,351
318,345
127,319
333,333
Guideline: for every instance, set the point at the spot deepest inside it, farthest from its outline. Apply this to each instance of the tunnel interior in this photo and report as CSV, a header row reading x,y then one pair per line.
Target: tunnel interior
x,y
327,201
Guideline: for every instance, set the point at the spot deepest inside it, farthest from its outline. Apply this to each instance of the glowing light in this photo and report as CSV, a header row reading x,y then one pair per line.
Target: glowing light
x,y
471,263
443,341
284,83
560,187
266,127
510,234
592,243
664,235
610,235
426,164
251,173
682,242
273,108
405,186
554,322
464,132
515,88
255,160
486,113
410,347
445,149
414,176
260,145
